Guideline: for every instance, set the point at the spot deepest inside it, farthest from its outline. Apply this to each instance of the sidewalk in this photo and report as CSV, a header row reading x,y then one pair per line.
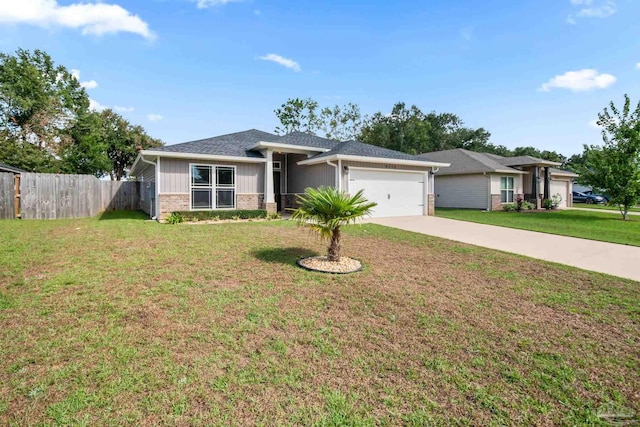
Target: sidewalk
x,y
610,258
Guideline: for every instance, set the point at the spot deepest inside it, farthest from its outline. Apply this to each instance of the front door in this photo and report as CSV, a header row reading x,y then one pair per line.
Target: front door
x,y
277,192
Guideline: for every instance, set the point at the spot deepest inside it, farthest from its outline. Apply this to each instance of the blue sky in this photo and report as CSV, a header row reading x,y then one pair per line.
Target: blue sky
x,y
531,72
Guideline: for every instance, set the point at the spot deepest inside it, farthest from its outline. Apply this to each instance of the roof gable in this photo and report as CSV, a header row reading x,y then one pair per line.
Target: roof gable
x,y
236,144
357,148
465,161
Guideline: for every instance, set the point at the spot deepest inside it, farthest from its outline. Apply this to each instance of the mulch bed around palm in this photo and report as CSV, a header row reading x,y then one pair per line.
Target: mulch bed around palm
x,y
322,264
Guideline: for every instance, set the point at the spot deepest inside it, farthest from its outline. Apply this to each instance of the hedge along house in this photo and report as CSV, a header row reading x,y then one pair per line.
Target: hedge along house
x,y
259,170
488,181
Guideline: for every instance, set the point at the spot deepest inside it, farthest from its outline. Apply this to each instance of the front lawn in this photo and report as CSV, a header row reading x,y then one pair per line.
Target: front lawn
x,y
587,225
120,321
603,207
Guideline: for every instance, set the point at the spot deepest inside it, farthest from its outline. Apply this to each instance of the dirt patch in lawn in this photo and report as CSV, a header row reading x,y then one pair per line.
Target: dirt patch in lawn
x,y
217,325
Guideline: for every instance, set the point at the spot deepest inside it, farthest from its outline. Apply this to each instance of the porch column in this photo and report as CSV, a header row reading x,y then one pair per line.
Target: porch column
x,y
534,187
269,198
547,183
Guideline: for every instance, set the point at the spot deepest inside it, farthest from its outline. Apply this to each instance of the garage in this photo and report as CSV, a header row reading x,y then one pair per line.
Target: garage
x,y
397,193
560,187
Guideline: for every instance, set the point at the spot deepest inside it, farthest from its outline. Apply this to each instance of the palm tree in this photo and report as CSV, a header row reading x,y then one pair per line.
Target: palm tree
x,y
326,209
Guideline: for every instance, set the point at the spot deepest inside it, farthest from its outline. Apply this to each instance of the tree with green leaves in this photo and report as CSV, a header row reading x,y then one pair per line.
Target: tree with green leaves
x,y
122,143
326,209
341,123
614,167
87,152
298,115
38,99
411,131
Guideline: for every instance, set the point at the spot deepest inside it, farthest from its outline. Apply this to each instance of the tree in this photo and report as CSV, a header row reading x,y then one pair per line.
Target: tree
x,y
123,141
25,155
87,152
411,131
298,115
38,100
341,123
326,209
614,167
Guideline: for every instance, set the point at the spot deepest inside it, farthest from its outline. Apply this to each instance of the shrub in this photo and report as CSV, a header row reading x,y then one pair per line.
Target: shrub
x,y
527,206
510,207
175,218
216,215
556,199
547,204
274,215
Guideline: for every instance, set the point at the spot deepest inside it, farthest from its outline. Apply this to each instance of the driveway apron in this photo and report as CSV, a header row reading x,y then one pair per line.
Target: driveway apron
x,y
610,258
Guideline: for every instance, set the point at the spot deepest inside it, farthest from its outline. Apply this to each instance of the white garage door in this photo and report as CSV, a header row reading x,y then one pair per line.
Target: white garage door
x,y
396,193
560,187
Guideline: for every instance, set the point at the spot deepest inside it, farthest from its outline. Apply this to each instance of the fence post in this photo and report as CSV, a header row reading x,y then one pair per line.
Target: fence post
x,y
16,192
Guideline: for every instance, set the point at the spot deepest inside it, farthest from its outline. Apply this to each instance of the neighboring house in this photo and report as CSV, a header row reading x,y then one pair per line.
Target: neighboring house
x,y
10,169
259,170
487,181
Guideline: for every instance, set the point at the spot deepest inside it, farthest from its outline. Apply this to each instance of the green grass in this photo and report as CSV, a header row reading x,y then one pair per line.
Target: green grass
x,y
587,225
603,207
121,321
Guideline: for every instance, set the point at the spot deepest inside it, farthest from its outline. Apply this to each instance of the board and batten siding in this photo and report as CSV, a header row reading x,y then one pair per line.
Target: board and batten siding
x,y
175,175
462,191
301,177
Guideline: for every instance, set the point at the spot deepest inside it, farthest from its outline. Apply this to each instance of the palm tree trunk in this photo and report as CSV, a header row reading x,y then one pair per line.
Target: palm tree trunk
x,y
333,252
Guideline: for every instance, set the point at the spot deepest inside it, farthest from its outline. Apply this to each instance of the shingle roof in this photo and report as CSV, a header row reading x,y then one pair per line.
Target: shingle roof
x,y
524,160
357,148
465,161
233,144
306,140
8,168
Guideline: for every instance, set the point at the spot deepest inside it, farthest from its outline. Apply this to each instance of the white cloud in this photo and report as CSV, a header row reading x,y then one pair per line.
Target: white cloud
x,y
286,62
591,9
579,81
90,18
122,109
91,84
638,65
154,117
203,4
96,106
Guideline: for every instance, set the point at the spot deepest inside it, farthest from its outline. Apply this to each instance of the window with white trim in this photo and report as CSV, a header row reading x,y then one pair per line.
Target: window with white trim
x,y
506,189
213,187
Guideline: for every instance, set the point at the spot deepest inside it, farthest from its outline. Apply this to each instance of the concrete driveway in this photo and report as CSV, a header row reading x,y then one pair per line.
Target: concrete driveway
x,y
609,258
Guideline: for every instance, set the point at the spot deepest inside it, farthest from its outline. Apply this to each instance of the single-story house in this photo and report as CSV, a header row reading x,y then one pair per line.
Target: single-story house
x,y
258,170
487,181
10,169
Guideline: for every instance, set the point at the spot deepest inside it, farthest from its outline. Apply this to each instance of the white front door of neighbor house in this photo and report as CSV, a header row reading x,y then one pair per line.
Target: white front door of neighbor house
x,y
396,193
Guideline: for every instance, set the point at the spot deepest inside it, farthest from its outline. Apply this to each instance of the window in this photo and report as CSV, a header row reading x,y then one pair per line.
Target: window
x,y
213,187
506,189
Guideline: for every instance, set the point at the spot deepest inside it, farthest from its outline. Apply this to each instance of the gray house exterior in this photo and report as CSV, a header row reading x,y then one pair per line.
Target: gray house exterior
x,y
258,170
488,181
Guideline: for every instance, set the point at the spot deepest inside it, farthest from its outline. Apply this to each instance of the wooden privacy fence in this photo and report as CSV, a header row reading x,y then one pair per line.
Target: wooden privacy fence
x,y
7,196
51,196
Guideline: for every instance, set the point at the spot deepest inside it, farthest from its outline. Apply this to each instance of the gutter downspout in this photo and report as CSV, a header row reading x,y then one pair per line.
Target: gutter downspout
x,y
156,184
337,178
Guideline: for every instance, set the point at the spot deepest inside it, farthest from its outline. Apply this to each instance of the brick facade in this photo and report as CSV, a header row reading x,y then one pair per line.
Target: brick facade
x,y
249,201
289,201
171,203
431,207
496,205
271,207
